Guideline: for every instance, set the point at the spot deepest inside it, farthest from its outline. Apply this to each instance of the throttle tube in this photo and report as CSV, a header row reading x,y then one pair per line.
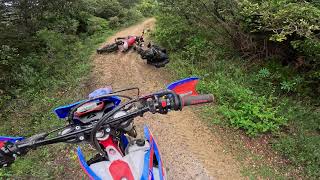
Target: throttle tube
x,y
199,99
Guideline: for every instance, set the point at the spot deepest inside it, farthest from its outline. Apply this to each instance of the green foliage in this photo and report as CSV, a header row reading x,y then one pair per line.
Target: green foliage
x,y
130,16
302,150
66,25
53,40
294,25
285,29
96,24
193,51
8,58
128,3
173,35
263,74
242,107
118,13
148,7
31,45
301,144
278,79
114,22
281,18
49,80
106,8
254,114
248,96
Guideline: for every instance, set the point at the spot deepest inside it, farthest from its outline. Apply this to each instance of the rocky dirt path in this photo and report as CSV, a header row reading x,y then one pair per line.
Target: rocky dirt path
x,y
189,149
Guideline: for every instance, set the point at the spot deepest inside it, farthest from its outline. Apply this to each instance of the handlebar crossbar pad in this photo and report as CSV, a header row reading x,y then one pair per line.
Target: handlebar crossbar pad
x,y
199,99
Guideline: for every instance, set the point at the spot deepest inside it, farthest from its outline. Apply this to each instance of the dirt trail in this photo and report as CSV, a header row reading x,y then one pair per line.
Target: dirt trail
x,y
189,150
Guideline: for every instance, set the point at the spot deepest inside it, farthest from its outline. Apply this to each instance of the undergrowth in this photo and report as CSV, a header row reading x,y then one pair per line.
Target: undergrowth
x,y
255,97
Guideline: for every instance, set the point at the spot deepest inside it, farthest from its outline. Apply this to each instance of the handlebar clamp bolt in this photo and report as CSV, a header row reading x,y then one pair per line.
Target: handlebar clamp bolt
x,y
81,138
78,127
108,130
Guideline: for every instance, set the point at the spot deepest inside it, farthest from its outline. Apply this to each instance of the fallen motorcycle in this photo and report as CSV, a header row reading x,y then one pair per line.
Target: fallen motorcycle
x,y
107,123
109,48
153,54
122,43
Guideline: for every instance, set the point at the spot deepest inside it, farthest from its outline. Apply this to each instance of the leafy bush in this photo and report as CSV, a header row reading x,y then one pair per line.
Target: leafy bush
x,y
130,16
196,50
241,106
106,8
8,79
114,22
172,31
119,13
52,40
96,24
255,114
8,58
61,24
35,43
148,7
279,79
244,108
294,27
282,19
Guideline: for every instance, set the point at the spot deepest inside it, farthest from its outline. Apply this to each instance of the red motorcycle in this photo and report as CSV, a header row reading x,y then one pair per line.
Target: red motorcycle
x,y
122,43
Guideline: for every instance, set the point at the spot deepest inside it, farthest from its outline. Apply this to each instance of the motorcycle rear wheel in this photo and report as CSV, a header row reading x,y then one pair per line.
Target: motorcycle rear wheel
x,y
108,48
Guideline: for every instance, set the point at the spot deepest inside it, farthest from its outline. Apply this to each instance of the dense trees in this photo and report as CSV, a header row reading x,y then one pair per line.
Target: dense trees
x,y
35,34
287,30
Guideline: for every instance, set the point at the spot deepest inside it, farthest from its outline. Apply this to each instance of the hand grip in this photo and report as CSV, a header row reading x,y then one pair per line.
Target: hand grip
x,y
199,99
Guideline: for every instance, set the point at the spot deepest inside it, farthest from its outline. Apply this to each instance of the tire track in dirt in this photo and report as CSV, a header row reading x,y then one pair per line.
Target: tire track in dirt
x,y
189,149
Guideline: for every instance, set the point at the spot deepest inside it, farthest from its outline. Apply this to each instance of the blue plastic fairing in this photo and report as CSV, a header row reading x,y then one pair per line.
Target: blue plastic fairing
x,y
147,170
63,111
85,166
10,139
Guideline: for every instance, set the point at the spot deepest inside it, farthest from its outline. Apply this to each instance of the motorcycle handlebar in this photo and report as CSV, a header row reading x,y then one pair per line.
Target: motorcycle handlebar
x,y
199,99
179,103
